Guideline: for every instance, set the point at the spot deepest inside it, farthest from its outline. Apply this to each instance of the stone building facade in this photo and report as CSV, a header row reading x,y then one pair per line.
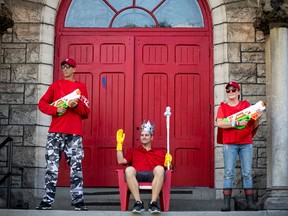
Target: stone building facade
x,y
27,69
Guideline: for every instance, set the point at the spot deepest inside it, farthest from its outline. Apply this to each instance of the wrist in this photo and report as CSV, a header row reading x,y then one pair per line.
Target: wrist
x,y
119,147
233,124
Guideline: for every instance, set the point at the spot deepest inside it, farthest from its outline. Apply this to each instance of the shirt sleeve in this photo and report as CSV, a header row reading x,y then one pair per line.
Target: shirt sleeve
x,y
83,108
45,101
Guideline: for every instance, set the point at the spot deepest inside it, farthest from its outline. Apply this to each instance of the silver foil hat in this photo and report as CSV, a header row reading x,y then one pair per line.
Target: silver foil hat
x,y
147,126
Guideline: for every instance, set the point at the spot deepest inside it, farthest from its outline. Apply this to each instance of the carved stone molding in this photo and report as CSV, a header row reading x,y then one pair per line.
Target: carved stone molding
x,y
271,14
6,20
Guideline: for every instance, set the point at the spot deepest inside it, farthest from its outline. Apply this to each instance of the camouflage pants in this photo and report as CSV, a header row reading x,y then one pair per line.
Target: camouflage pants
x,y
72,147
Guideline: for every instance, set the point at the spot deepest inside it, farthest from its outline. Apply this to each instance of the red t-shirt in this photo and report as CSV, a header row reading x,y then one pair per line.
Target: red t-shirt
x,y
143,160
70,122
232,135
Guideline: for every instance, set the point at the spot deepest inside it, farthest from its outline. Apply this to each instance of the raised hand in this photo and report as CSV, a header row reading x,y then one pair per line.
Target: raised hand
x,y
120,137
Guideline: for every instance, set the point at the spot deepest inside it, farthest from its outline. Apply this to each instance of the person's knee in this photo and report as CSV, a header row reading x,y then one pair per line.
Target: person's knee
x,y
130,172
159,171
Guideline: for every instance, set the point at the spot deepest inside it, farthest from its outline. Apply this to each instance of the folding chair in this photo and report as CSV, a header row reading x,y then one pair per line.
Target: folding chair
x,y
125,192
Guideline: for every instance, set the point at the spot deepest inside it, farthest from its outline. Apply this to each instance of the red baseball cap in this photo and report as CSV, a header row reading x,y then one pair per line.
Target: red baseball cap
x,y
233,84
69,61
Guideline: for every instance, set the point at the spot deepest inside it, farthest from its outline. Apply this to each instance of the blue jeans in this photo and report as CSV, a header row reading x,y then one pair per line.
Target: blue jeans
x,y
245,153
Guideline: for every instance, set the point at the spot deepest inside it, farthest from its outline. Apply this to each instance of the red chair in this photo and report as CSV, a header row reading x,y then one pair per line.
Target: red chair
x,y
125,192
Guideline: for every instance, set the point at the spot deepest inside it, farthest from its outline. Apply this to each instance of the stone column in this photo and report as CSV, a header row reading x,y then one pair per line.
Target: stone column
x,y
272,20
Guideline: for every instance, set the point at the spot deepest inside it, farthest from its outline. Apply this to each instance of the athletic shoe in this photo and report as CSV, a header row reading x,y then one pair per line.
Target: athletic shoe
x,y
80,206
44,206
138,207
153,208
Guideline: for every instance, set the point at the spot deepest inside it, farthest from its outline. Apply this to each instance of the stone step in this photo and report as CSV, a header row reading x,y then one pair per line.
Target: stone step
x,y
17,212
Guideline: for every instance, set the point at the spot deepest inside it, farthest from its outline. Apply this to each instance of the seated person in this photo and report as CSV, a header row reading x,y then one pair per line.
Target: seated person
x,y
145,164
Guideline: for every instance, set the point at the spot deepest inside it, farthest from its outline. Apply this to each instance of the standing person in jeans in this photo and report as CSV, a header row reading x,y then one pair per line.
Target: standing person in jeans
x,y
236,142
145,164
65,135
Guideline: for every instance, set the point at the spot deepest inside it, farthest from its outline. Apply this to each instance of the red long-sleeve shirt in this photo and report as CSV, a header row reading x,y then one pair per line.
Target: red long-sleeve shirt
x,y
70,122
232,135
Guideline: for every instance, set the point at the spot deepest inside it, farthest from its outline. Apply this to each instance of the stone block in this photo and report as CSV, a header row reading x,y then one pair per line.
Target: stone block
x,y
238,11
7,37
261,80
262,153
11,130
47,34
259,178
35,135
48,15
221,72
23,114
253,89
30,94
14,55
45,74
33,53
218,157
219,94
220,34
11,98
221,51
261,70
26,12
41,137
5,73
24,73
24,156
253,57
240,32
253,47
233,52
23,32
11,88
46,53
243,72
260,37
219,173
262,162
215,15
215,3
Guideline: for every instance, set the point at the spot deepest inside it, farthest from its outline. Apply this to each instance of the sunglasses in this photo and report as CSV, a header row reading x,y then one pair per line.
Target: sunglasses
x,y
66,66
229,90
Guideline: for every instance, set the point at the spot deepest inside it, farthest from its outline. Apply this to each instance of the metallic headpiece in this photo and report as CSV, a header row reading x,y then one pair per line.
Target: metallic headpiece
x,y
146,126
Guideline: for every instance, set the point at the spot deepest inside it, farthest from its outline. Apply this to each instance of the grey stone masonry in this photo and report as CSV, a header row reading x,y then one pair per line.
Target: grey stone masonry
x,y
26,71
240,56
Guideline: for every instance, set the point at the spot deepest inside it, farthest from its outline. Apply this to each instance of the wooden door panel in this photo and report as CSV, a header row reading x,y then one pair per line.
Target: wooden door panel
x,y
173,71
105,64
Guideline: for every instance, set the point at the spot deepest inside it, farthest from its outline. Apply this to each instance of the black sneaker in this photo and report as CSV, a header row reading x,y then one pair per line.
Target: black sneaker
x,y
153,208
44,206
138,207
80,206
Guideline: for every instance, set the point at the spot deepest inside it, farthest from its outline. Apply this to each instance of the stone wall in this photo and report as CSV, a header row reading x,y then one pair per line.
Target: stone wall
x,y
240,56
27,70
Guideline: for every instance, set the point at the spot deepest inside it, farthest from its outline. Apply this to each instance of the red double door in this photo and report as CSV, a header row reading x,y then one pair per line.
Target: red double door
x,y
134,78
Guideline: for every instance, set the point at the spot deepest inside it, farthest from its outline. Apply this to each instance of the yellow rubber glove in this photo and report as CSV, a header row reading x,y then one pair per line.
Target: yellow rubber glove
x,y
120,136
168,160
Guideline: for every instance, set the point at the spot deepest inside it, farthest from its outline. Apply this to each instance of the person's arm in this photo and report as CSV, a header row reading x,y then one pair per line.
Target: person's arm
x,y
45,101
81,106
120,136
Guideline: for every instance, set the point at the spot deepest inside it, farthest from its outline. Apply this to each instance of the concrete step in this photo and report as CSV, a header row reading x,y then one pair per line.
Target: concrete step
x,y
182,199
17,212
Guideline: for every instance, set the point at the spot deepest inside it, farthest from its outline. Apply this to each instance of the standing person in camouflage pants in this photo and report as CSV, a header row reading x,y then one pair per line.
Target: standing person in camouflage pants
x,y
65,135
